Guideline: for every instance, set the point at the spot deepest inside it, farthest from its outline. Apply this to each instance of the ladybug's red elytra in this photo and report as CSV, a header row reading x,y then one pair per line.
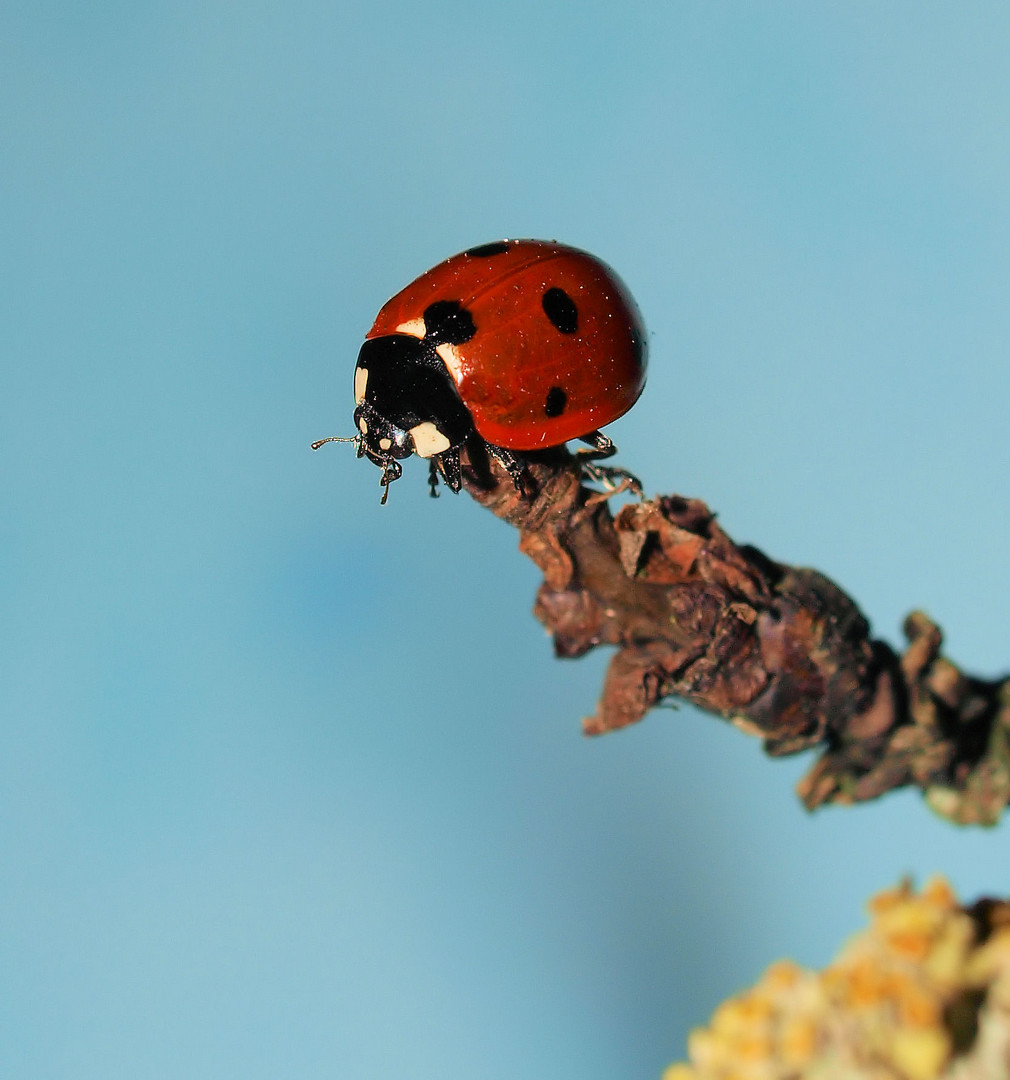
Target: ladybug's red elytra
x,y
518,345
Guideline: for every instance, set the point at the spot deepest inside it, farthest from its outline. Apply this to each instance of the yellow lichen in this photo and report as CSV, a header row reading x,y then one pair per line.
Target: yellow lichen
x,y
679,1072
919,1055
910,998
798,1040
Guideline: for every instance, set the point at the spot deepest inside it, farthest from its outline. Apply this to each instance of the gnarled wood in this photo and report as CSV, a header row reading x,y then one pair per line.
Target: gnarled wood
x,y
780,651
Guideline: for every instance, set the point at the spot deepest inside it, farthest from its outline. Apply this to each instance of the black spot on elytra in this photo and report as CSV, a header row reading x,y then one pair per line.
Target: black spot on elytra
x,y
447,321
560,308
556,401
485,251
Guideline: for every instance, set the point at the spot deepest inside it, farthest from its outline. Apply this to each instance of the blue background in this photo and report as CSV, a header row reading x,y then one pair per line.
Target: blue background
x,y
291,784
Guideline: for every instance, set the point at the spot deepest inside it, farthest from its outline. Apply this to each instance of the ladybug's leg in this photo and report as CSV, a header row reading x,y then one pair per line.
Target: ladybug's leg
x,y
447,463
602,447
391,471
612,477
515,467
479,452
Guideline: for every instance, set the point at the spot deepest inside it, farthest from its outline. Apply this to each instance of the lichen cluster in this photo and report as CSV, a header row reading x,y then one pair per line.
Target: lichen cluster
x,y
922,993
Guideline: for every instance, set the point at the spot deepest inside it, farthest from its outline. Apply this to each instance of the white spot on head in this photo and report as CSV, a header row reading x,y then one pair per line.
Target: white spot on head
x,y
360,382
428,440
385,444
414,327
362,426
452,360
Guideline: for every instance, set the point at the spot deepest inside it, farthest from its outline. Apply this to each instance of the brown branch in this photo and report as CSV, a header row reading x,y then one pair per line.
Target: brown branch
x,y
780,651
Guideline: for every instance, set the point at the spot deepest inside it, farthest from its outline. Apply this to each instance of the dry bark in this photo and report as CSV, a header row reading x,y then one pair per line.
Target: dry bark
x,y
780,651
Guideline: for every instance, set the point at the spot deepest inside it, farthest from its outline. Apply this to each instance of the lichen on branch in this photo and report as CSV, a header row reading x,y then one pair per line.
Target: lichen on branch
x,y
922,994
781,652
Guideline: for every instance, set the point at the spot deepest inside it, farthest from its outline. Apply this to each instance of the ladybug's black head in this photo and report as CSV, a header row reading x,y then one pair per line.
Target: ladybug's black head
x,y
406,403
382,442
381,439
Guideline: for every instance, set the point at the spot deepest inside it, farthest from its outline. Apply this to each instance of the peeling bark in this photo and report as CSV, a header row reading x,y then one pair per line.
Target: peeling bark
x,y
782,652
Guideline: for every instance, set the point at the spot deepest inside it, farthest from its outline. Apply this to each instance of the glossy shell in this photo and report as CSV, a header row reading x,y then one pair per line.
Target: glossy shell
x,y
559,347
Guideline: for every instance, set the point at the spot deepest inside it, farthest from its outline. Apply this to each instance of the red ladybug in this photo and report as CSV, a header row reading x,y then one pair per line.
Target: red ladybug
x,y
517,345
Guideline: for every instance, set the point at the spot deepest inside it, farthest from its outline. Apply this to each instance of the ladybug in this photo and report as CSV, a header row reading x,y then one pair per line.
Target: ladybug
x,y
513,346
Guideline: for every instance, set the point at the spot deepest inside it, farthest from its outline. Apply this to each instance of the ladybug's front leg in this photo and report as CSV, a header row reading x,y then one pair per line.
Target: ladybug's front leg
x,y
391,471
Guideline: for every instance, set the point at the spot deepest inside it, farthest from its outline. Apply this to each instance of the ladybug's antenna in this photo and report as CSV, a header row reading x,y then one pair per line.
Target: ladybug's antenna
x,y
336,438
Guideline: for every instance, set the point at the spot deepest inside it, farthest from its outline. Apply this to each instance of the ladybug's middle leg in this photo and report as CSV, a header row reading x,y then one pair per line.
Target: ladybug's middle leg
x,y
516,468
447,465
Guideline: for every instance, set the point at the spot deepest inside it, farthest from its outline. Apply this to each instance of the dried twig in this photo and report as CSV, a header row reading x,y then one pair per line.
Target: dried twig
x,y
780,651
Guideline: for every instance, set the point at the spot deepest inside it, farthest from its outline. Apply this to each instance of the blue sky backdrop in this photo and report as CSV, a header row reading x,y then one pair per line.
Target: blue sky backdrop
x,y
291,784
